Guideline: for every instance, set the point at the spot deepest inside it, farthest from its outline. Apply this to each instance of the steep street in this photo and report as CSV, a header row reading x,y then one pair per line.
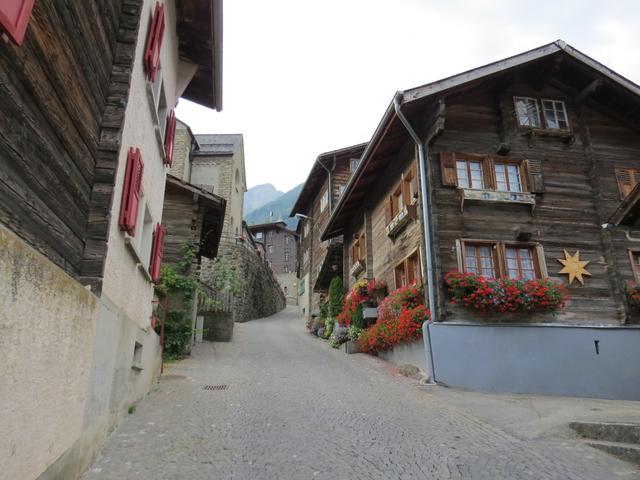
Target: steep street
x,y
295,409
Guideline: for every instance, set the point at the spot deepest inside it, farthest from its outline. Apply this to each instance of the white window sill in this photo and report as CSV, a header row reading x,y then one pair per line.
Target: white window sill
x,y
402,218
128,241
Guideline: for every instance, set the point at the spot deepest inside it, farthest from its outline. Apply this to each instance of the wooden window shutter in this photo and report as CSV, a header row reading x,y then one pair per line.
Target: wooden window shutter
x,y
448,169
14,18
157,251
535,180
154,43
626,181
131,191
361,255
406,196
488,173
388,213
169,138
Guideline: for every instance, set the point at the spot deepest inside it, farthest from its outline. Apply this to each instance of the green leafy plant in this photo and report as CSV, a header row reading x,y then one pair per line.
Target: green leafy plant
x,y
336,296
328,327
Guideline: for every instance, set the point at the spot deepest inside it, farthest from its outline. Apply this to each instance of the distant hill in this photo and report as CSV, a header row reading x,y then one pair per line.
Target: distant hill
x,y
281,207
260,195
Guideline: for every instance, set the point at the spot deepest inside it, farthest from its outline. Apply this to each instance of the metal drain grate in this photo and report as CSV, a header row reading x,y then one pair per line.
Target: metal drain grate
x,y
215,387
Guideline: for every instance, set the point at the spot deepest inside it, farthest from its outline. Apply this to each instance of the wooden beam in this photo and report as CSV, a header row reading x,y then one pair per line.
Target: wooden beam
x,y
588,90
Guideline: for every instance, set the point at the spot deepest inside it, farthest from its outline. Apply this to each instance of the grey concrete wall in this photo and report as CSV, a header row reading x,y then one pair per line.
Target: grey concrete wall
x,y
411,353
543,359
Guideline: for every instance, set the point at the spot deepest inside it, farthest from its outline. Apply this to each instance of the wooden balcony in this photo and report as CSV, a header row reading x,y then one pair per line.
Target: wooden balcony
x,y
491,196
402,218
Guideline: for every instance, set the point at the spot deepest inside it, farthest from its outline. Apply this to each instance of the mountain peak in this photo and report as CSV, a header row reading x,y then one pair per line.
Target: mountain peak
x,y
259,195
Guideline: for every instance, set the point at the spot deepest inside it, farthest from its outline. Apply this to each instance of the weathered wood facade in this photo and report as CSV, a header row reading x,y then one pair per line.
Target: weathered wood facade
x,y
54,96
191,216
568,177
322,260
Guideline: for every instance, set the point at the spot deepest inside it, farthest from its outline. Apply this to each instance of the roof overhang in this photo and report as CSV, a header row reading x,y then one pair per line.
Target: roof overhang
x,y
317,173
628,211
390,132
213,209
199,25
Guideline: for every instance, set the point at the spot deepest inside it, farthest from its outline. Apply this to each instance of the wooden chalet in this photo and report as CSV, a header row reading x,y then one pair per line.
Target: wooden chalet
x,y
191,216
526,158
319,261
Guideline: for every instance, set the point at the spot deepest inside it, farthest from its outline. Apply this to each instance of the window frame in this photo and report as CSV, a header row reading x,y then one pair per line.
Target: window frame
x,y
634,176
544,113
500,255
520,164
542,116
402,268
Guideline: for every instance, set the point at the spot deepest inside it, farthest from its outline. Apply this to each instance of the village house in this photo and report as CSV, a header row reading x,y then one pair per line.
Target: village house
x,y
524,161
280,247
215,164
88,92
319,261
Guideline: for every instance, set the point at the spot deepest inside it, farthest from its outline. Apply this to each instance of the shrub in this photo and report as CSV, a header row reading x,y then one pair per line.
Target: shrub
x,y
177,334
336,296
506,296
328,327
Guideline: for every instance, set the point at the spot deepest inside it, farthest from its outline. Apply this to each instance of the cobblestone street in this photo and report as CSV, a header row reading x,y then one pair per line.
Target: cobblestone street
x,y
297,409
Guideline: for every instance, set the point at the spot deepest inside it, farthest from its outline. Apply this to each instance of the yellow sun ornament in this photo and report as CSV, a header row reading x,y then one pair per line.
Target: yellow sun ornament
x,y
573,266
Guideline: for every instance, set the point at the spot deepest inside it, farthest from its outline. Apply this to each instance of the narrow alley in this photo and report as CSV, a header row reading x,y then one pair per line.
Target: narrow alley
x,y
291,408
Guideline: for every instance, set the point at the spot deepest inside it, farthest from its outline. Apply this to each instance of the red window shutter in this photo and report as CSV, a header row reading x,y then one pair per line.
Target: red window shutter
x,y
157,251
14,18
169,138
154,43
131,191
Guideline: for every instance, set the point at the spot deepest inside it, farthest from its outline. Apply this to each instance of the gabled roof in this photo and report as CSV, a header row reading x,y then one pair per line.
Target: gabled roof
x,y
218,143
317,174
199,28
390,134
277,225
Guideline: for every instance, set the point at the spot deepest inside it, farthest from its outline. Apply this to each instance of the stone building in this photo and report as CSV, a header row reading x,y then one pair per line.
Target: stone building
x,y
215,164
319,260
81,204
280,246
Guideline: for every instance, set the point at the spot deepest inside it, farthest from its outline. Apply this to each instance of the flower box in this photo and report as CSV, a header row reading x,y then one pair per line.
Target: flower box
x,y
357,268
408,213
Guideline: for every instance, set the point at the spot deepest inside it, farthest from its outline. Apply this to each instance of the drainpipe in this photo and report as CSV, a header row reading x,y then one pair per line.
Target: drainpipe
x,y
430,293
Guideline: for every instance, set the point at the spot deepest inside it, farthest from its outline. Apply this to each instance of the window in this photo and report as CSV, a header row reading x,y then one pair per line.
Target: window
x,y
157,251
634,256
259,235
470,174
285,290
527,112
286,257
305,257
353,164
286,269
408,271
501,174
519,262
324,200
554,114
270,248
403,195
169,138
627,179
480,259
306,228
341,189
286,239
494,259
507,177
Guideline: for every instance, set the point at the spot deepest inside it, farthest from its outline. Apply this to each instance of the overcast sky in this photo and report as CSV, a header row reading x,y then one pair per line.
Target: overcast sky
x,y
306,77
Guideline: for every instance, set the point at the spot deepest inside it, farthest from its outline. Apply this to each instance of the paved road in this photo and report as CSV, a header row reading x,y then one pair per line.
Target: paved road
x,y
296,409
